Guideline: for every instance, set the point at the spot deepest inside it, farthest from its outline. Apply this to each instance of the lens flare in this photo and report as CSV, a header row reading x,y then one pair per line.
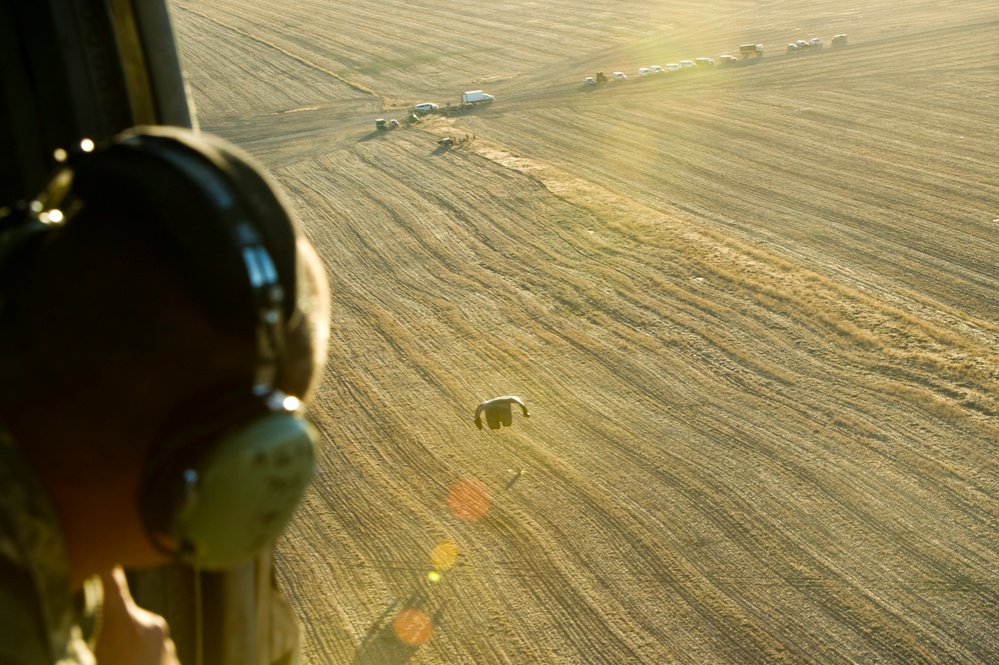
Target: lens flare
x,y
433,576
468,500
444,554
413,626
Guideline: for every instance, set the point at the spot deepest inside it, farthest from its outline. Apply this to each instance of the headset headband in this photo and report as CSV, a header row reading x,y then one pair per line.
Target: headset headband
x,y
266,291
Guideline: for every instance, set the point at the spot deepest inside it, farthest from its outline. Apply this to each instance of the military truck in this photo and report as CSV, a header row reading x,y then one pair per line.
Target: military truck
x,y
747,50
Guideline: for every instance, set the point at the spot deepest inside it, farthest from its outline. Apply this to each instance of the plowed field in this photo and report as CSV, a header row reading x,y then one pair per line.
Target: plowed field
x,y
752,309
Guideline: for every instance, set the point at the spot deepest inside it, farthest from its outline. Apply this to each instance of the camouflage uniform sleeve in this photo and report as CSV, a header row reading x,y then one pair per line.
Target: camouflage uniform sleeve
x,y
39,623
23,638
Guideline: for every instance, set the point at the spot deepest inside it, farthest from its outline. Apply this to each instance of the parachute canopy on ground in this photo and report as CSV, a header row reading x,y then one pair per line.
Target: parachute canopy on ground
x,y
499,411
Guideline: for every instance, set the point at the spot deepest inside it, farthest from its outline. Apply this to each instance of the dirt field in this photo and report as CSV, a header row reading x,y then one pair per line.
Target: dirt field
x,y
752,310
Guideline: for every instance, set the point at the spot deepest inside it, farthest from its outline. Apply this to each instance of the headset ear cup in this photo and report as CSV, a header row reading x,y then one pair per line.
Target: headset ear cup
x,y
237,497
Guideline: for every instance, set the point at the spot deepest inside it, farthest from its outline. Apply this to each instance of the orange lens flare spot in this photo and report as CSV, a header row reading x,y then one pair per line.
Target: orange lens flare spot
x,y
444,555
468,500
413,626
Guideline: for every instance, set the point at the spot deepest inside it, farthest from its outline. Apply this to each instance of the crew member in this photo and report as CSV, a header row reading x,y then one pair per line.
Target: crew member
x,y
162,322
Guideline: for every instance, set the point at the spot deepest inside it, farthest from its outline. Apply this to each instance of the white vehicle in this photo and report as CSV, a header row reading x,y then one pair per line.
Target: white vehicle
x,y
656,69
672,67
704,62
589,80
839,40
792,47
729,59
814,42
476,97
425,107
687,64
620,76
644,71
801,43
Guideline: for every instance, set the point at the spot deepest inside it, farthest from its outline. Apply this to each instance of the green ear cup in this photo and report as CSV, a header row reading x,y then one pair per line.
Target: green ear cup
x,y
239,498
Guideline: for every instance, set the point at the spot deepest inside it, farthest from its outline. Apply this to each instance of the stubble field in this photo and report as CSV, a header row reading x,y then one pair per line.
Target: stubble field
x,y
751,309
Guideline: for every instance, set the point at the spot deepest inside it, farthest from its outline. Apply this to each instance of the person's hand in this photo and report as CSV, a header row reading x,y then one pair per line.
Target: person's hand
x,y
129,634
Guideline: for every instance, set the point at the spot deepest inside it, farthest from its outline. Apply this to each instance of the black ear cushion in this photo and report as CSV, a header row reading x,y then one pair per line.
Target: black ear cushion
x,y
186,437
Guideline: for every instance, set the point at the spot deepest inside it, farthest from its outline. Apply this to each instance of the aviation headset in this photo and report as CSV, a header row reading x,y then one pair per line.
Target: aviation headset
x,y
231,466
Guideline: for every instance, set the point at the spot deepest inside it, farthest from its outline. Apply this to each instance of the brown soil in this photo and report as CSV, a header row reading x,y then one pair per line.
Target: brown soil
x,y
752,311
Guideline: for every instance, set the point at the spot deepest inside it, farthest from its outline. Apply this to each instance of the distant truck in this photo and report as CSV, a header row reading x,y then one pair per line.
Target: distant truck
x,y
601,77
839,40
747,50
476,97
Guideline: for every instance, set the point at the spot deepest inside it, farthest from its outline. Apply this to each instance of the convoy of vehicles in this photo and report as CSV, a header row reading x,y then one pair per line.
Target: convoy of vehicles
x,y
476,97
814,42
745,50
